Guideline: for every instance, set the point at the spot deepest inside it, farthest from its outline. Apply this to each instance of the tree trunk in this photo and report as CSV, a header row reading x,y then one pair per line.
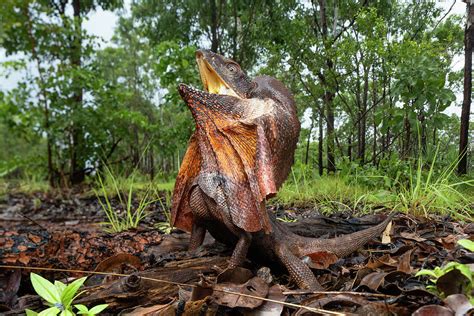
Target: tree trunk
x,y
328,97
406,141
363,117
466,105
214,26
77,173
374,104
34,53
328,94
308,140
320,143
349,147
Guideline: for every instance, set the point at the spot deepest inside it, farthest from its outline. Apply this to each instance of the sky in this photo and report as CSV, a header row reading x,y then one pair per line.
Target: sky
x,y
102,23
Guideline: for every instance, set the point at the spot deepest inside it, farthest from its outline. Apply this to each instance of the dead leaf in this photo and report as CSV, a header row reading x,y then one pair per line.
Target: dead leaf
x,y
385,260
270,308
412,236
386,234
459,303
255,287
453,282
161,310
449,242
237,275
404,262
433,310
321,259
373,280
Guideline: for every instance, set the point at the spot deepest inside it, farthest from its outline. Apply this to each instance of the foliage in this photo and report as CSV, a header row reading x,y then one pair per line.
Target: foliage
x,y
60,297
465,285
434,191
129,216
165,227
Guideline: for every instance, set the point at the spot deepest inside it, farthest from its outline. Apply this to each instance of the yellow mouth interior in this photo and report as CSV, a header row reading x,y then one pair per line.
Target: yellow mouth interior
x,y
211,81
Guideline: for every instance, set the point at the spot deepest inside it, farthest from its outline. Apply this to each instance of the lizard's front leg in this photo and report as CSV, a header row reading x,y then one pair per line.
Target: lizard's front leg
x,y
241,249
197,236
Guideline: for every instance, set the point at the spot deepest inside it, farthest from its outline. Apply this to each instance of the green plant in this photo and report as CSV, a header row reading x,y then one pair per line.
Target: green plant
x,y
59,297
129,216
83,310
165,227
432,192
466,280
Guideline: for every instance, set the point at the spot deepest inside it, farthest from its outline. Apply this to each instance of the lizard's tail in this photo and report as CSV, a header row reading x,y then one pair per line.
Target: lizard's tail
x,y
343,245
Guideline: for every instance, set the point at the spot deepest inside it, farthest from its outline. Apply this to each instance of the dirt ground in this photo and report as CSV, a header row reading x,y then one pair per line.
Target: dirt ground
x,y
64,232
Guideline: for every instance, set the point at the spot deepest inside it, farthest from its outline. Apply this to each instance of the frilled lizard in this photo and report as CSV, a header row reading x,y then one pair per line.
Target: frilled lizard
x,y
238,157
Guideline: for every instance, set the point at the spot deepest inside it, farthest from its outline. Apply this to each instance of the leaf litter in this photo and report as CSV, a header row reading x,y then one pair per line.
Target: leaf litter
x,y
378,279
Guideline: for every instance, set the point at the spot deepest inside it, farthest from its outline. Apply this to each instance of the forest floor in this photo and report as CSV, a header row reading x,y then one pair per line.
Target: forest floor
x,y
64,232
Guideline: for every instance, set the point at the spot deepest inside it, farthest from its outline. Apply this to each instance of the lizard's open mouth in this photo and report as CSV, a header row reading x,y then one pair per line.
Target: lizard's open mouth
x,y
211,80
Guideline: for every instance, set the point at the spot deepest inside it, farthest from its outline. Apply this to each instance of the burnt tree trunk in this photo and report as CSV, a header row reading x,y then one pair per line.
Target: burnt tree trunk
x,y
467,96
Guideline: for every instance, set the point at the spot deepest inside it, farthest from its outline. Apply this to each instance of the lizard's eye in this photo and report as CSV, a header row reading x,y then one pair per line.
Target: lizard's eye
x,y
232,67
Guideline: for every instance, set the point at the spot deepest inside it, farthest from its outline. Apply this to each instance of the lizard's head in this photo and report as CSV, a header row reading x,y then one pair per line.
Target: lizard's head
x,y
221,75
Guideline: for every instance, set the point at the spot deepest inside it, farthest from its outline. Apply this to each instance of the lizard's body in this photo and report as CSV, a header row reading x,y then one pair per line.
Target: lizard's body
x,y
240,154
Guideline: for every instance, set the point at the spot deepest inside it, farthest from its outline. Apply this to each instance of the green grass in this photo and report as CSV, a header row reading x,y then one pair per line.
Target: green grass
x,y
424,189
26,186
436,191
127,215
329,194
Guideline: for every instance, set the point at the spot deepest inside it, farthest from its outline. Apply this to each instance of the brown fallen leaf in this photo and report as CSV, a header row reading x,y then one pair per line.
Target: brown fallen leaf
x,y
386,234
412,236
373,280
453,282
321,259
404,264
255,287
237,275
433,310
155,310
460,304
270,308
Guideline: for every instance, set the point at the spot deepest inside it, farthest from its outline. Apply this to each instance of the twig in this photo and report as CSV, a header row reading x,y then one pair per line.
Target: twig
x,y
445,15
303,292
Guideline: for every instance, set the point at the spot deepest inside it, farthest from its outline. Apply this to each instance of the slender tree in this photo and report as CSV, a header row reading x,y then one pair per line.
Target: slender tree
x,y
467,96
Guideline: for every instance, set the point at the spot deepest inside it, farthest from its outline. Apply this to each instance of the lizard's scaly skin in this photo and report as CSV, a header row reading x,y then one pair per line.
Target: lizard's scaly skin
x,y
238,157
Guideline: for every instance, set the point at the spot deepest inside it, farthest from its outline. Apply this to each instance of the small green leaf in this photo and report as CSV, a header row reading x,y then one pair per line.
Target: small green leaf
x,y
60,286
426,272
45,289
68,294
52,311
465,270
466,243
81,308
97,309
66,313
29,312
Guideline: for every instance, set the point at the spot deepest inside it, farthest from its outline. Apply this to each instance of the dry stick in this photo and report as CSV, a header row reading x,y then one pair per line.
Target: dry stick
x,y
303,292
311,309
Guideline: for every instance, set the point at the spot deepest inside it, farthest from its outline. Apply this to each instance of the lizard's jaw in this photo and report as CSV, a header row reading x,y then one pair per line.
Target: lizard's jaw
x,y
211,80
